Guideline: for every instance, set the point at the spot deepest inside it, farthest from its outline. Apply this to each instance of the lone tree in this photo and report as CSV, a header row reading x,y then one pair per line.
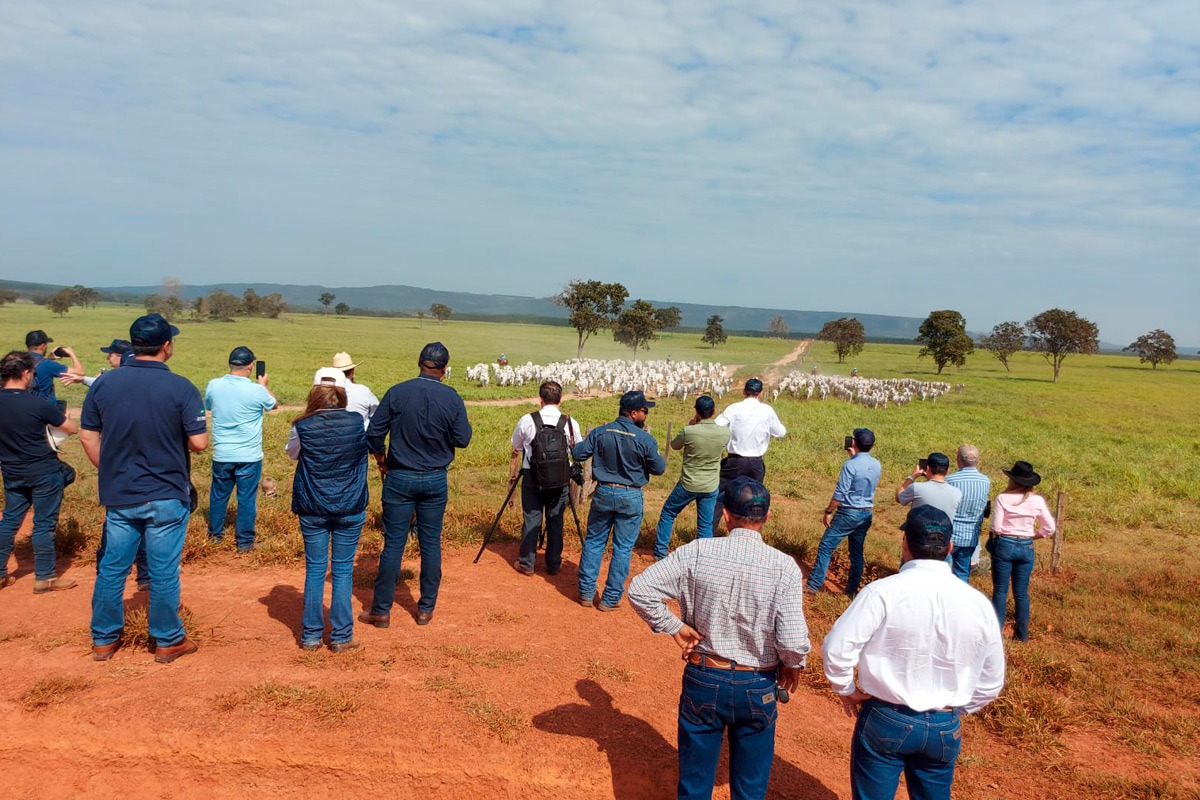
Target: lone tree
x,y
668,317
714,332
637,326
420,317
223,305
593,306
1057,334
251,303
61,301
440,311
85,296
170,306
273,305
943,335
777,327
1004,340
8,296
847,334
1157,347
326,298
341,309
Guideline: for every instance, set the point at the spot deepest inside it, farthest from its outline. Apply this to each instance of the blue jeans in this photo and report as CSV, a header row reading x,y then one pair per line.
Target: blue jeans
x,y
162,525
44,493
143,569
617,511
847,522
890,739
1012,560
319,534
406,492
245,476
537,504
960,562
677,501
712,702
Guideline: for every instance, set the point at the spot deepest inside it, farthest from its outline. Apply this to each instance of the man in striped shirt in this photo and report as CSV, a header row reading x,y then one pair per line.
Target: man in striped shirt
x,y
742,628
968,519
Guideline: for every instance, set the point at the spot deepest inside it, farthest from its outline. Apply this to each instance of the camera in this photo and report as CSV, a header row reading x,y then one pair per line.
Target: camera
x,y
60,352
849,443
577,473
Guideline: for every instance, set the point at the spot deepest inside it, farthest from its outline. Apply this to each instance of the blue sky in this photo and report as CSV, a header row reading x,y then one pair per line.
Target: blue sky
x,y
894,158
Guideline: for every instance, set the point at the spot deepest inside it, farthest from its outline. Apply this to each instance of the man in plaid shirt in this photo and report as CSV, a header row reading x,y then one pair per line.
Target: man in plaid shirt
x,y
742,628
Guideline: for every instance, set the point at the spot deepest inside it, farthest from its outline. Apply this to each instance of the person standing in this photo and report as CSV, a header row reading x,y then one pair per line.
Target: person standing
x,y
751,425
139,425
46,368
741,628
968,520
624,457
423,421
1019,516
329,496
927,649
543,502
237,404
934,490
702,442
849,513
32,473
359,398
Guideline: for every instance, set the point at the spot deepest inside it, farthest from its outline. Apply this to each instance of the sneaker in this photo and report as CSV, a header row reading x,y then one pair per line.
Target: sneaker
x,y
53,585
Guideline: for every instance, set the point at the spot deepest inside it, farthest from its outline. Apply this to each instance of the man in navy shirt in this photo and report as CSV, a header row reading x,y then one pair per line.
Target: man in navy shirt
x,y
45,369
623,457
423,421
32,472
138,425
849,512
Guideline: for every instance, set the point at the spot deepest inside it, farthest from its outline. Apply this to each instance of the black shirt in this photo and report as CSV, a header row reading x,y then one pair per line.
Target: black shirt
x,y
426,419
24,451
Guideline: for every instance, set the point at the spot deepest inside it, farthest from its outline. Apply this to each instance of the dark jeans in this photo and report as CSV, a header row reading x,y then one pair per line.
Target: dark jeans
x,y
143,567
960,562
852,523
44,493
712,702
677,501
618,511
1012,560
737,467
539,504
406,492
321,535
246,477
890,739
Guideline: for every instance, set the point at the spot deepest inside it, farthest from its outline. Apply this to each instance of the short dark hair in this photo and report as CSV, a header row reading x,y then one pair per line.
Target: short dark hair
x,y
14,365
148,349
550,392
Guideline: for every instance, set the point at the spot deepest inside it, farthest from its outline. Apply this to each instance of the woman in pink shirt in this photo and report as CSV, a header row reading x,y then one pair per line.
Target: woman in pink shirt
x,y
1018,517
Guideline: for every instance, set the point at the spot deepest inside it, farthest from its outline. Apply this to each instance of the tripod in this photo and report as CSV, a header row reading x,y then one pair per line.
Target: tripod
x,y
487,537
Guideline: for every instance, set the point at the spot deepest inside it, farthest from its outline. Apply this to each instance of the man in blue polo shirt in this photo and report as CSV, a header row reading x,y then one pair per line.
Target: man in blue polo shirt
x,y
237,404
46,369
848,514
623,457
138,425
423,421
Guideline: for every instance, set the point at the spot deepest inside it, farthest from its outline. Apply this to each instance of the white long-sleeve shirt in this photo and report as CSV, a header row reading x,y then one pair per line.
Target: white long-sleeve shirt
x,y
921,638
751,425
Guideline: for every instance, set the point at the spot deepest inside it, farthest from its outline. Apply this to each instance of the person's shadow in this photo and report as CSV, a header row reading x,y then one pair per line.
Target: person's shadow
x,y
642,762
285,604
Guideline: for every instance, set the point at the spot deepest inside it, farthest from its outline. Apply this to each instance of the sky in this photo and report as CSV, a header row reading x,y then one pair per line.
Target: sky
x,y
998,159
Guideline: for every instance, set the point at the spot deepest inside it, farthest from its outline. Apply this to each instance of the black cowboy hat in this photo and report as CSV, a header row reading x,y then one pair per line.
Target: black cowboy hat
x,y
1022,474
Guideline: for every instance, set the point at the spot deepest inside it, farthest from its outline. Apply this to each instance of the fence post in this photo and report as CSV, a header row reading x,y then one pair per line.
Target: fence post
x,y
667,444
1056,549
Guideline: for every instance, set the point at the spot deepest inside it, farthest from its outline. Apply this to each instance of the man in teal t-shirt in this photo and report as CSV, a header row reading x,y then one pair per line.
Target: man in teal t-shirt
x,y
237,404
702,442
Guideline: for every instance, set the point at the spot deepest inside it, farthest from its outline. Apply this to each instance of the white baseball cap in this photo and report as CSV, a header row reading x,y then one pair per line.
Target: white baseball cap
x,y
329,376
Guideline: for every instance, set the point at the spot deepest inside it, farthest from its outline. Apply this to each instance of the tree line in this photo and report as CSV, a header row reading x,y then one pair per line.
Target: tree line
x,y
59,302
594,306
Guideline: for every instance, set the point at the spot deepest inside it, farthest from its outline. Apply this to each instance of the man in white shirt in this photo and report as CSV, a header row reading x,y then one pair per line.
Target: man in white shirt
x,y
359,399
538,502
928,649
751,425
934,490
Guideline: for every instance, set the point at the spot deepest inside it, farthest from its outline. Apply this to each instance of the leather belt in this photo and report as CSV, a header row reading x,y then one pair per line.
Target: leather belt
x,y
618,485
716,662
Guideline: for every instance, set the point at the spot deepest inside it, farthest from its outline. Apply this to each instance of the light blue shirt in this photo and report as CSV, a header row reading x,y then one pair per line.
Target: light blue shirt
x,y
857,481
237,405
975,487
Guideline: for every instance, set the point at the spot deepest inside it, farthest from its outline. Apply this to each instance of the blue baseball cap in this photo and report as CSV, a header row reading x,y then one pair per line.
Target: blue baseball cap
x,y
632,401
754,386
151,330
118,346
864,438
928,522
435,353
747,498
705,405
241,357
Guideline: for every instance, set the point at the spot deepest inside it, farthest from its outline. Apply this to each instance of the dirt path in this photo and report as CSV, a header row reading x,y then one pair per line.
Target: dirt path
x,y
773,373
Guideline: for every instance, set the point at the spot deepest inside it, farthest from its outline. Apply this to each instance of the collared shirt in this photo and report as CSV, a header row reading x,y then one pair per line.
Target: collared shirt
x,y
1016,515
523,434
423,420
144,413
237,405
939,494
24,451
857,481
361,400
921,638
45,371
751,425
701,444
975,488
744,597
624,453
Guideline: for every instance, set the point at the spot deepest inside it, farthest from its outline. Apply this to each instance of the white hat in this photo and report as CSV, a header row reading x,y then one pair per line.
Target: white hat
x,y
328,376
55,437
343,361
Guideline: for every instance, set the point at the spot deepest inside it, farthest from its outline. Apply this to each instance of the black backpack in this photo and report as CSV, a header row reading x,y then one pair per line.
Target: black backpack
x,y
549,459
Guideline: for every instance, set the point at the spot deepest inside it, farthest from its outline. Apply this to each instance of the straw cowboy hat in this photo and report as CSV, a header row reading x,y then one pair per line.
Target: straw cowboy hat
x,y
343,361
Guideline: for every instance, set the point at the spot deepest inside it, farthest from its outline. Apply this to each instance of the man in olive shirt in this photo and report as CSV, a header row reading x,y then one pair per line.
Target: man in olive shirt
x,y
702,442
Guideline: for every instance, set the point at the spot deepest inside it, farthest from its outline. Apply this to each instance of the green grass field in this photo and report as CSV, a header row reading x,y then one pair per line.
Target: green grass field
x,y
1115,633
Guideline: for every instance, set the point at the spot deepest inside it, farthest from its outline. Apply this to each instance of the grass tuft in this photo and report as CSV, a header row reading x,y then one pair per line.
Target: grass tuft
x,y
52,691
325,705
597,669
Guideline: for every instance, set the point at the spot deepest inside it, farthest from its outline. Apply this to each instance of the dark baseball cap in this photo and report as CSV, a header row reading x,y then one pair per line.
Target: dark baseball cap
x,y
746,498
632,401
241,357
34,338
436,354
705,404
927,523
938,461
151,330
754,386
864,437
118,346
